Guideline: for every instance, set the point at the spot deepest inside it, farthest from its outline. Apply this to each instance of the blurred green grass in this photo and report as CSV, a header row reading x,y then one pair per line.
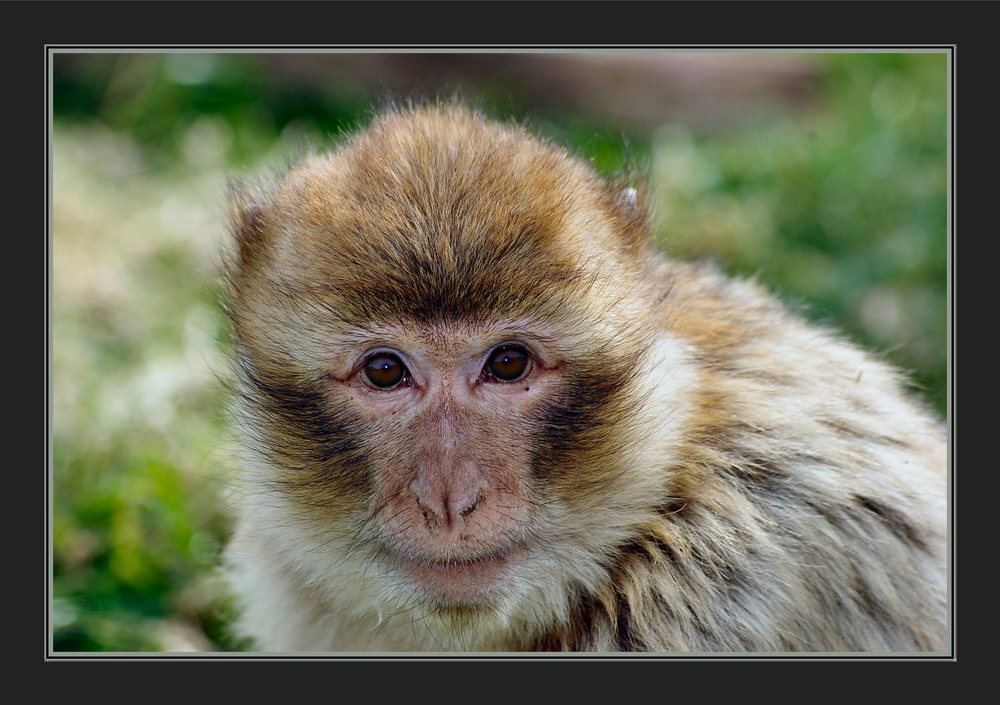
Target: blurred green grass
x,y
841,209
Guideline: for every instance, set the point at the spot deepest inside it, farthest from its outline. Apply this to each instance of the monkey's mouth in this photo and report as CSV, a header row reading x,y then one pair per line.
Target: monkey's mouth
x,y
465,581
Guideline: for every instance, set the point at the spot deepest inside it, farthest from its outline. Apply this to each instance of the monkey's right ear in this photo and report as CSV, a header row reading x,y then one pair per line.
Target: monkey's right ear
x,y
246,222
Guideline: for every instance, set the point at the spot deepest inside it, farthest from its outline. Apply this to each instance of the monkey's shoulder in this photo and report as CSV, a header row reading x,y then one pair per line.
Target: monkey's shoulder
x,y
768,366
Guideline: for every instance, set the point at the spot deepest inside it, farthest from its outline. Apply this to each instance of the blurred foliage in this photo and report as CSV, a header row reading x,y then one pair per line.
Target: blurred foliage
x,y
842,209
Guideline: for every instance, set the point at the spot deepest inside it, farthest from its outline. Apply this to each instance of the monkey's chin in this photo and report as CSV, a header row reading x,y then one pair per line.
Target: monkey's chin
x,y
469,582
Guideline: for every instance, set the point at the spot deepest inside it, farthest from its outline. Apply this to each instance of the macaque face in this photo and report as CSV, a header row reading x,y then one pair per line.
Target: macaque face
x,y
450,415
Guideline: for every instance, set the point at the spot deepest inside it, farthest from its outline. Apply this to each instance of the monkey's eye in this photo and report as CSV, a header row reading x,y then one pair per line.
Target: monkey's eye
x,y
383,371
508,363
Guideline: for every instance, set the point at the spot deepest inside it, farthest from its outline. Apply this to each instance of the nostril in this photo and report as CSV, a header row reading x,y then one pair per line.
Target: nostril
x,y
446,508
432,517
433,506
471,507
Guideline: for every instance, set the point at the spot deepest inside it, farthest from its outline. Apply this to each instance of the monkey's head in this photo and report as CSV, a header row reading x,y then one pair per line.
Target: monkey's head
x,y
445,354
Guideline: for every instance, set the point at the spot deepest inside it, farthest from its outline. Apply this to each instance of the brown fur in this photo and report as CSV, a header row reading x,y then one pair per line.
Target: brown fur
x,y
689,466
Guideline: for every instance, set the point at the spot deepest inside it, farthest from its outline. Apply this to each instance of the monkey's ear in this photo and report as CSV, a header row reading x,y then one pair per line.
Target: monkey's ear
x,y
631,207
628,200
247,223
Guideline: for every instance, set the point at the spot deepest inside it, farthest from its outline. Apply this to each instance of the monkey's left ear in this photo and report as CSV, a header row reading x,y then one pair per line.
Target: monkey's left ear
x,y
629,198
630,206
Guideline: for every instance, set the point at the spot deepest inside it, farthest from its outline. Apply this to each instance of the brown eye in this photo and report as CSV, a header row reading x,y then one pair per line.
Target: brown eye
x,y
384,370
508,363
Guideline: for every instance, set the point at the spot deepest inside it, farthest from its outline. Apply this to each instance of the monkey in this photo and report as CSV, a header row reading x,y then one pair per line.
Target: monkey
x,y
479,409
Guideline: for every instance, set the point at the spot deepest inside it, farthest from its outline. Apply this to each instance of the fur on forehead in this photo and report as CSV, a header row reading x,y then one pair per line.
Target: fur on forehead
x,y
437,212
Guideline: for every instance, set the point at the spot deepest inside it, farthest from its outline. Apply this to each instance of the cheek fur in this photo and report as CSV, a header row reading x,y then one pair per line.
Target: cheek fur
x,y
574,443
315,446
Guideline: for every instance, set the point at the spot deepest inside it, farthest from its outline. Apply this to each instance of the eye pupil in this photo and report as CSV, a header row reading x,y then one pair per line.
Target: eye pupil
x,y
508,363
384,370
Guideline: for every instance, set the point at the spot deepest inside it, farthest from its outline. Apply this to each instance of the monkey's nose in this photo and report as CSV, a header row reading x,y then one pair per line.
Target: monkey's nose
x,y
446,506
